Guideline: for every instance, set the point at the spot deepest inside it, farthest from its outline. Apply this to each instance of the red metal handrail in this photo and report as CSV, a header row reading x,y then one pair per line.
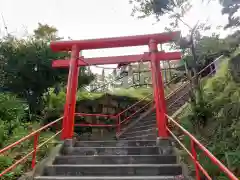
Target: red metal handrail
x,y
119,121
135,112
193,154
179,98
210,64
134,104
118,116
35,135
151,94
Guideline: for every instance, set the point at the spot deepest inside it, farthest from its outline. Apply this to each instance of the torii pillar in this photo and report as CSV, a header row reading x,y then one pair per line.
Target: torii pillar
x,y
154,56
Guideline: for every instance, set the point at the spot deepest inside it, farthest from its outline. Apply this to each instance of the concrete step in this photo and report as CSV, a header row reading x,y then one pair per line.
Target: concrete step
x,y
147,118
117,159
109,178
137,150
113,170
142,122
136,133
145,123
151,116
119,143
141,137
139,127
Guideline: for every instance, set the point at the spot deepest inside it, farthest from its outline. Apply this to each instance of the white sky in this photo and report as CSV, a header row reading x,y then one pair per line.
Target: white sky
x,y
84,19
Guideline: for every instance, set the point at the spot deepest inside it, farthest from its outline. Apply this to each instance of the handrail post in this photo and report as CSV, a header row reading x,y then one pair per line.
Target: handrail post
x,y
35,143
194,154
118,124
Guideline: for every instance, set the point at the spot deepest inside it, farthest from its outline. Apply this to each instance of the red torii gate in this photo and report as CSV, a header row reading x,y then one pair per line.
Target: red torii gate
x,y
154,56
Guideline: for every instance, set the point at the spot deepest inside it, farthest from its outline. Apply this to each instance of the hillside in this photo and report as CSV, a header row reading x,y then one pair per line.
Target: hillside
x,y
221,129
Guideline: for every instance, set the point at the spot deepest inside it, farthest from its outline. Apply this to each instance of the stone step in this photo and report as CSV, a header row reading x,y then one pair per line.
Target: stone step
x,y
137,150
113,170
142,126
136,133
119,143
142,122
109,178
145,123
141,137
117,159
139,127
147,120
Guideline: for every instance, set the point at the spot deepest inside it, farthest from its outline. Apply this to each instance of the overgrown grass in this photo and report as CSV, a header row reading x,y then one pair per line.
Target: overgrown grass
x,y
138,93
221,134
14,126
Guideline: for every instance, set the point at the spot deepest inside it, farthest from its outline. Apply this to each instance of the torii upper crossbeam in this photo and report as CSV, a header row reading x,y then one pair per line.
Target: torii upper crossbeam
x,y
139,40
152,40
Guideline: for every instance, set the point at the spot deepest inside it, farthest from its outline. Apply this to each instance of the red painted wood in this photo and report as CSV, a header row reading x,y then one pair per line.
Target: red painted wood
x,y
124,41
163,56
69,111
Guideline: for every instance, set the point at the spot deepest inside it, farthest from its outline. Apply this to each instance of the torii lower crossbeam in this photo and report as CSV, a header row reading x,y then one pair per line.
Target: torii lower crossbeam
x,y
118,59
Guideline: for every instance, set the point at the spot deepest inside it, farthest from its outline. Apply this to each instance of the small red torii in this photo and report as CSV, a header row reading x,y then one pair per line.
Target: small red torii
x,y
154,56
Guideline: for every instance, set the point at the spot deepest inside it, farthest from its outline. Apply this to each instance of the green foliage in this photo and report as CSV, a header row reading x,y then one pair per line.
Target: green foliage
x,y
84,95
54,101
13,126
138,93
146,8
11,108
234,68
30,84
12,112
46,32
25,67
149,7
160,7
221,133
200,115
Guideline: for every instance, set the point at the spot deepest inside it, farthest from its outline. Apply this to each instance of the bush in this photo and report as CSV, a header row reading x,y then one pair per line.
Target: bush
x,y
14,126
11,108
221,109
12,114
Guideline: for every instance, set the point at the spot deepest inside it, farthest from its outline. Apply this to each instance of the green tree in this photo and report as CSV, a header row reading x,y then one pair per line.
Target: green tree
x,y
162,7
26,69
175,10
46,32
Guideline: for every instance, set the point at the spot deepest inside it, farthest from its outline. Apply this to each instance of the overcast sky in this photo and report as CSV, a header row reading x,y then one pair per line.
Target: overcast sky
x,y
83,19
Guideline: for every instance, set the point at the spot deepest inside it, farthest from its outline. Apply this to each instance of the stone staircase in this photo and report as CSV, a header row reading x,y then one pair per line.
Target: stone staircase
x,y
108,160
144,127
136,155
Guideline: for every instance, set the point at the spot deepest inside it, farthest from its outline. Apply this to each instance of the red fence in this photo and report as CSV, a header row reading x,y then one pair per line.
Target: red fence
x,y
117,117
123,121
193,154
120,120
35,135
